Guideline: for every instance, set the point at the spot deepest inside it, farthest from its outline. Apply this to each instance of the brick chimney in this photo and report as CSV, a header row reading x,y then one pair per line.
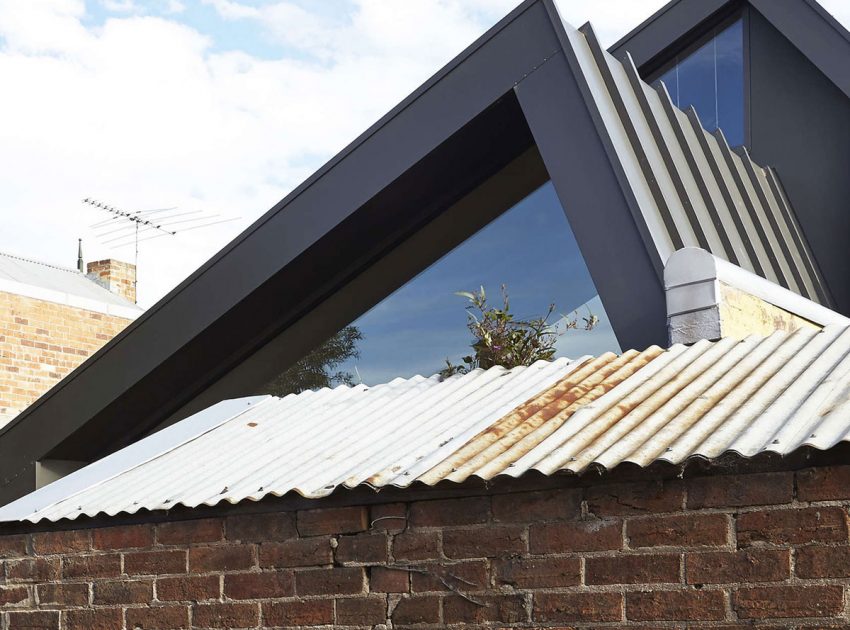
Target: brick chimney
x,y
117,276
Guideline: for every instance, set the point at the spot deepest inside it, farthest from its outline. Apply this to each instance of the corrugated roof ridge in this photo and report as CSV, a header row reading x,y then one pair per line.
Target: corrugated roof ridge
x,y
40,262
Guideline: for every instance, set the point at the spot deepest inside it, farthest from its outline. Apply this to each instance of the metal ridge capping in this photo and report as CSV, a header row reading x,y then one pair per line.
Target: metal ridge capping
x,y
775,394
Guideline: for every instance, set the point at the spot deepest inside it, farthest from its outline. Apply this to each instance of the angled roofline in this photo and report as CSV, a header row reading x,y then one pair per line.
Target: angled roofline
x,y
805,23
463,126
531,100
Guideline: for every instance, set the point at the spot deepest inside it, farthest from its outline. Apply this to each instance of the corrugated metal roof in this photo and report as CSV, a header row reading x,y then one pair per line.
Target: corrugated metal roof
x,y
760,394
59,284
690,189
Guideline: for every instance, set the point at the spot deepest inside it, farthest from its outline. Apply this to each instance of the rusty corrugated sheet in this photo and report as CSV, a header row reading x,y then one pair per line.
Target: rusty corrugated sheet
x,y
749,397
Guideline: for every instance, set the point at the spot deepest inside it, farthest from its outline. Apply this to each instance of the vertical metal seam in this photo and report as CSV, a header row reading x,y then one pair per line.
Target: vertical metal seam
x,y
696,125
784,247
599,56
748,204
711,208
654,128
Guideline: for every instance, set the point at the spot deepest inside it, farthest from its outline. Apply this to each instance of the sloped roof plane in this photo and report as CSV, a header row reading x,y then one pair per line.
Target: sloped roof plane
x,y
752,396
533,92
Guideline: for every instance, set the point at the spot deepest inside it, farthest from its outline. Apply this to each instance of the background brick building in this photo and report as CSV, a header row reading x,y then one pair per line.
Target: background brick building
x,y
52,319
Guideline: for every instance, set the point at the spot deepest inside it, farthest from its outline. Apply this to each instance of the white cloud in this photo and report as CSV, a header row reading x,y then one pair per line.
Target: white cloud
x,y
144,111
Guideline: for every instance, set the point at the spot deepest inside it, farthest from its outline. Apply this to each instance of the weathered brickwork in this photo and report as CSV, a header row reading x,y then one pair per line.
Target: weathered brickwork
x,y
117,276
768,550
40,343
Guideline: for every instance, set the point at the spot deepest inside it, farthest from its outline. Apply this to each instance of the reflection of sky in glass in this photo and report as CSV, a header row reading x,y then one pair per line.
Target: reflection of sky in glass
x,y
712,80
530,248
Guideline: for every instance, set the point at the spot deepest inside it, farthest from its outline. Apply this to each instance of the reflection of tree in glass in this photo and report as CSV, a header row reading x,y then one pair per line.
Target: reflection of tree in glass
x,y
316,370
502,339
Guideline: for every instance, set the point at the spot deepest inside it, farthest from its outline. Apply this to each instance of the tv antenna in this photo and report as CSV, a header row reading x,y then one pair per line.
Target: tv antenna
x,y
124,227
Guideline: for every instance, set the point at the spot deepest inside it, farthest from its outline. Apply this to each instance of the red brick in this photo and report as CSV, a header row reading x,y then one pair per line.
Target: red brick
x,y
190,532
32,570
534,507
580,607
122,537
323,521
741,490
335,581
823,562
483,542
830,483
36,620
538,572
413,610
297,553
362,548
501,608
89,619
188,589
261,527
391,517
416,546
306,612
687,605
466,511
383,580
12,595
158,617
224,558
738,566
123,592
464,576
63,594
636,498
590,535
47,543
99,566
13,546
361,611
690,530
642,569
789,601
794,526
266,585
229,616
155,562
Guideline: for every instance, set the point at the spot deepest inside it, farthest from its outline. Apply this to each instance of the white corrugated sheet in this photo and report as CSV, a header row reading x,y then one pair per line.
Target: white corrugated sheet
x,y
42,281
761,394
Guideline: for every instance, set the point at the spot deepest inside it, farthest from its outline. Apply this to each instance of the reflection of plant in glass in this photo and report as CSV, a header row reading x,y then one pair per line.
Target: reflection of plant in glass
x,y
316,370
502,339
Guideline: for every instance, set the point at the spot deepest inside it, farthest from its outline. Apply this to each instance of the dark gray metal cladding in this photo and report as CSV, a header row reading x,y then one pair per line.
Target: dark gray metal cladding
x,y
700,193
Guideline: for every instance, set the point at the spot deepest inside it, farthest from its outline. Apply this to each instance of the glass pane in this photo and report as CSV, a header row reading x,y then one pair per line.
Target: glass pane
x,y
712,80
530,249
730,83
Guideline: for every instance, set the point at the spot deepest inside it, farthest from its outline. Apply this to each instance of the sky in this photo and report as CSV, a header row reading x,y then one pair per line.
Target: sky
x,y
216,107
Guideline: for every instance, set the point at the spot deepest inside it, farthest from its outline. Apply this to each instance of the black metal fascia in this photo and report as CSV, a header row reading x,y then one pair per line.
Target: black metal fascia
x,y
462,126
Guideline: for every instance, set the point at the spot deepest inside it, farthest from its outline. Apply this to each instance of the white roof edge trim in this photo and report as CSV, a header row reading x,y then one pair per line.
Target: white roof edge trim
x,y
689,270
131,311
124,460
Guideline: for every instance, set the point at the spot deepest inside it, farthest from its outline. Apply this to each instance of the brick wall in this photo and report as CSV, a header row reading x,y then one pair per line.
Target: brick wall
x,y
767,549
116,275
41,342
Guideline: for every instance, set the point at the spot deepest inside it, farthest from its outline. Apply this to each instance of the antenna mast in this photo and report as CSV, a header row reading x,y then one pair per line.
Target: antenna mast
x,y
124,228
